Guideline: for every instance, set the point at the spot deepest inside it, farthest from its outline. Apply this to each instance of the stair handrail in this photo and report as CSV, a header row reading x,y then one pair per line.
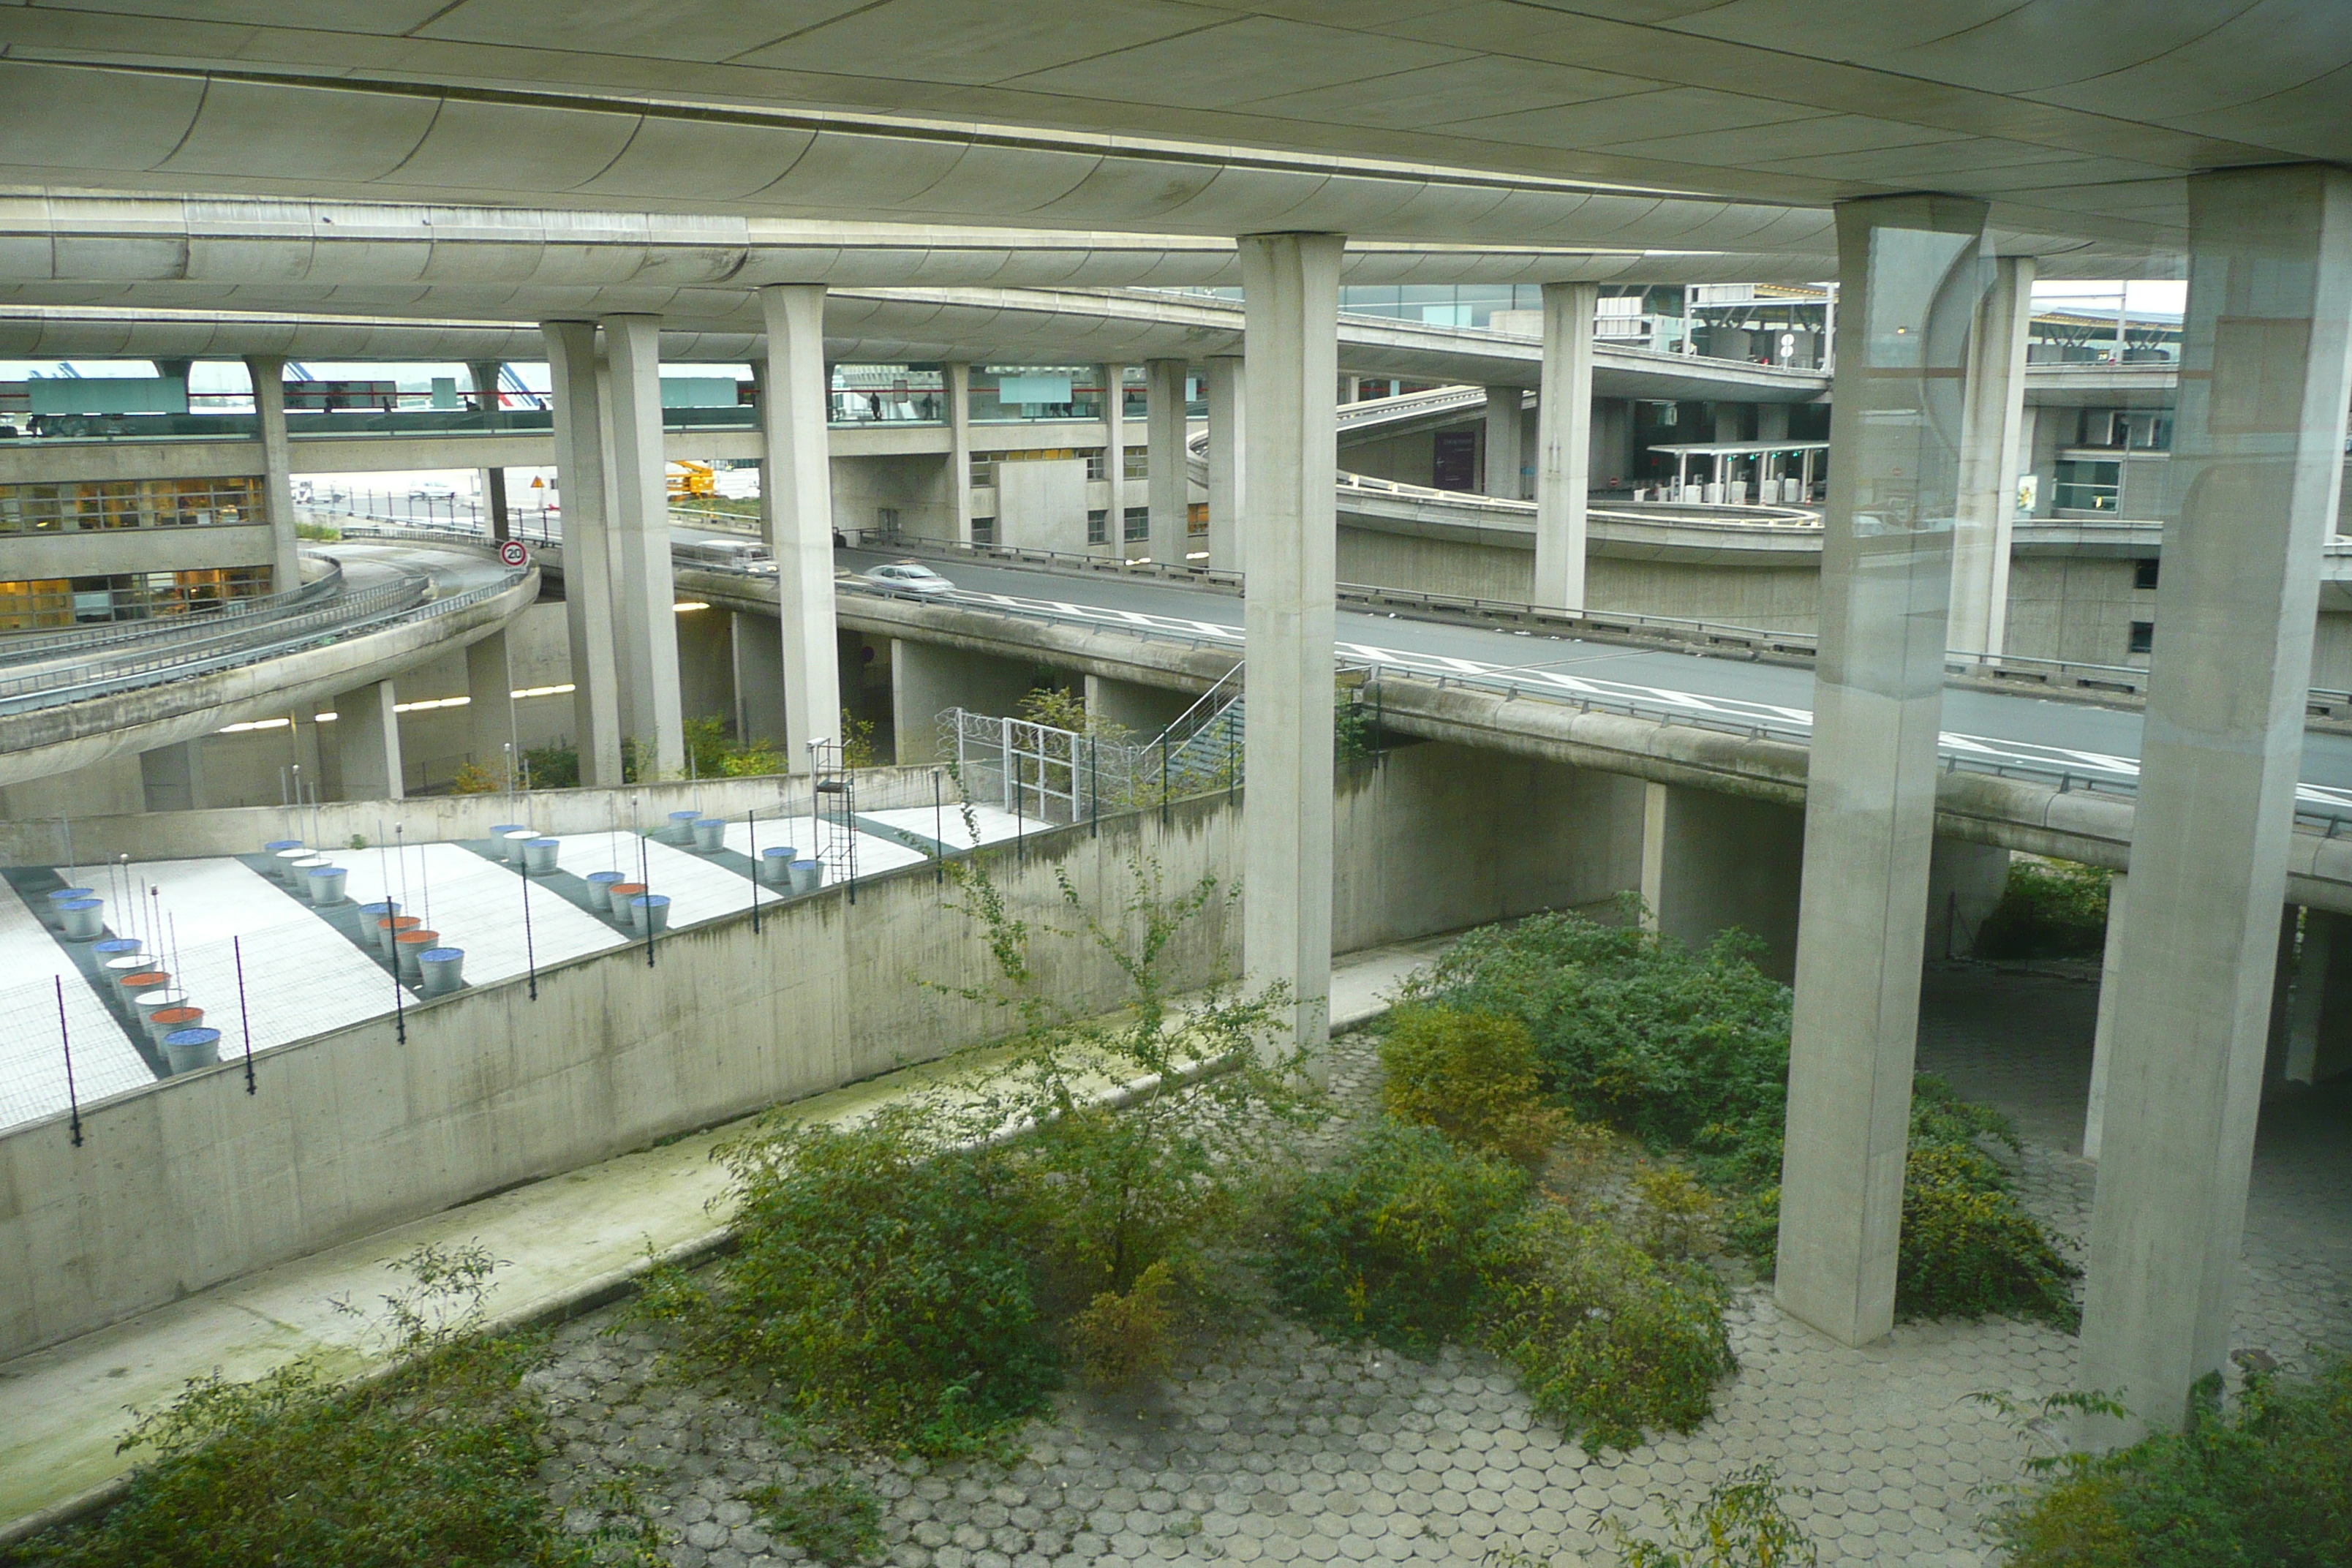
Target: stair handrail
x,y
1200,713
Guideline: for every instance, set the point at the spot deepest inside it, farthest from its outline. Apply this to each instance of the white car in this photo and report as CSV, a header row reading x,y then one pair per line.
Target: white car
x,y
432,489
909,577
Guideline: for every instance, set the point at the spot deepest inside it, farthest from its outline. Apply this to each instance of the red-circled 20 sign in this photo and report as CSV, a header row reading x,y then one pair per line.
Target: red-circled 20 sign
x,y
513,553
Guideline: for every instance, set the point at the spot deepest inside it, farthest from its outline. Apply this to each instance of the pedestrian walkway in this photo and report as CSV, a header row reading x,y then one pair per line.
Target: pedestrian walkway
x,y
570,1240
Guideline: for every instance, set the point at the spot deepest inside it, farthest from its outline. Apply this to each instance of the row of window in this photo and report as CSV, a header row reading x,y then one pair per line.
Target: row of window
x,y
1135,525
46,603
1137,465
103,505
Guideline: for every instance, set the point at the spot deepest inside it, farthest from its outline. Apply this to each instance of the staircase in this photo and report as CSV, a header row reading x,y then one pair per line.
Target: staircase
x,y
1212,754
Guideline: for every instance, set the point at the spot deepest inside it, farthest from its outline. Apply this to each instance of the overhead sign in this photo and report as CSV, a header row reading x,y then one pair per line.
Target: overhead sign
x,y
513,553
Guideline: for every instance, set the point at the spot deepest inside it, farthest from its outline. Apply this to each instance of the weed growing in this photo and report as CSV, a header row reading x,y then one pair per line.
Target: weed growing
x,y
433,1463
2048,909
1689,1052
836,1523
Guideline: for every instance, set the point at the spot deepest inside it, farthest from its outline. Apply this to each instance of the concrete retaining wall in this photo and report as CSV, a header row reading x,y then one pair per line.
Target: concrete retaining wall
x,y
194,1182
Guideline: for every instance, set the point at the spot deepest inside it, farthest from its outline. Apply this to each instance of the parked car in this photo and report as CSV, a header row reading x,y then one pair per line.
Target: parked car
x,y
432,490
909,577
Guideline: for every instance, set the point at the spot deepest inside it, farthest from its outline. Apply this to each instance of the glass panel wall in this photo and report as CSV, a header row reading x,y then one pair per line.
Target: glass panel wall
x,y
105,505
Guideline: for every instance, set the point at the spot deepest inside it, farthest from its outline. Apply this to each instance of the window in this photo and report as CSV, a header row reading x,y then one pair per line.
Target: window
x,y
983,530
1099,526
984,467
1138,463
1138,523
2144,574
1196,519
2084,486
2143,636
1094,464
99,506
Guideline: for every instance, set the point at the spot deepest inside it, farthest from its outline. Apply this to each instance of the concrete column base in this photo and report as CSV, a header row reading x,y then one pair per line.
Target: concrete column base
x,y
367,738
489,707
1711,862
1141,710
926,680
172,778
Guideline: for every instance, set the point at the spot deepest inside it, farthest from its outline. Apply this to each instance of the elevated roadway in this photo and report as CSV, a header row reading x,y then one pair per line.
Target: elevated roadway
x,y
404,606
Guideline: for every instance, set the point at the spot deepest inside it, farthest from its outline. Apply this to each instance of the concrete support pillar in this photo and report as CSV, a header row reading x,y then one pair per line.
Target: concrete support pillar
x,y
756,645
1164,427
958,393
796,509
1965,883
2111,986
927,679
1226,449
2257,457
367,742
1144,711
172,778
1114,417
1564,443
1912,271
1290,290
587,550
645,626
1712,861
489,705
494,505
2319,1016
1995,414
1504,410
485,374
269,375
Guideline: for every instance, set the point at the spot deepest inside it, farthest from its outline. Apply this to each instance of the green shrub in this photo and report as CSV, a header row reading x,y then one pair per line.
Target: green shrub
x,y
887,1283
1607,1341
1690,1051
2268,1482
435,1463
1740,1525
2049,909
836,1521
1969,1249
1472,1076
1394,1240
1122,1339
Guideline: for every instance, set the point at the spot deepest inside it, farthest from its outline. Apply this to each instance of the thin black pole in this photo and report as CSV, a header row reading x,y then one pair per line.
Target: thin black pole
x,y
1163,783
645,875
1094,788
938,832
751,827
530,952
245,1014
65,1038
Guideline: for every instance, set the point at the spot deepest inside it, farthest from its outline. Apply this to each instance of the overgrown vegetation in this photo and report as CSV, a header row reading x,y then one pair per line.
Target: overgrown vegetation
x,y
2049,909
1688,1052
2268,1481
434,1463
712,753
917,1282
1431,1228
836,1521
1740,1524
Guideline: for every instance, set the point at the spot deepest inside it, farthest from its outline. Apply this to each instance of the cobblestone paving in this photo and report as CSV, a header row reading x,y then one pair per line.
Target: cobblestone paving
x,y
1275,1446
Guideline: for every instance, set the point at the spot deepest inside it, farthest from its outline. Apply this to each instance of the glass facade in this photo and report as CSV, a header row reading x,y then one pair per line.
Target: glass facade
x,y
105,505
46,603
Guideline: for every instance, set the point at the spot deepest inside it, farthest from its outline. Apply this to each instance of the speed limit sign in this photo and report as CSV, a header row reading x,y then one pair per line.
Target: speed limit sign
x,y
513,553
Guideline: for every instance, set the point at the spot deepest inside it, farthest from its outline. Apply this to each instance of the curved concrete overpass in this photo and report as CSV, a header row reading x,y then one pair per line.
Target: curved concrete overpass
x,y
52,724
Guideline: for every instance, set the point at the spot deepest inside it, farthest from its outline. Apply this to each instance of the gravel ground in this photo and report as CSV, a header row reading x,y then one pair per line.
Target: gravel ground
x,y
1267,1444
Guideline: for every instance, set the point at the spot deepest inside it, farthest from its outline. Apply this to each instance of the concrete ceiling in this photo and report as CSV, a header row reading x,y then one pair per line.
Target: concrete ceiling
x,y
1649,123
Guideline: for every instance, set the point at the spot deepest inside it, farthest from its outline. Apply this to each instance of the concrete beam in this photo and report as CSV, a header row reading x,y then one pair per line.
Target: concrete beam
x,y
587,551
958,392
1291,286
1910,274
2257,452
796,513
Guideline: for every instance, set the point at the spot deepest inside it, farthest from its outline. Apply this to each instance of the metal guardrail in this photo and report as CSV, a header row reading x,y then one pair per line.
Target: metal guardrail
x,y
359,612
23,650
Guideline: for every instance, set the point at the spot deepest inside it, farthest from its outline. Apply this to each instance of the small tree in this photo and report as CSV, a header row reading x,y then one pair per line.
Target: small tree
x,y
1148,1124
